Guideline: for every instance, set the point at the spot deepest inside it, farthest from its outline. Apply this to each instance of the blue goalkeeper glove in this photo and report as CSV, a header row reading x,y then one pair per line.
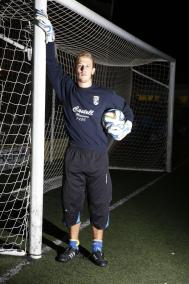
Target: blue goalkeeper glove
x,y
118,132
42,21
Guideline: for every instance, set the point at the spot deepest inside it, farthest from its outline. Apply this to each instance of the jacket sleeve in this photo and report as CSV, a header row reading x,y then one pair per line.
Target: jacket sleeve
x,y
57,78
128,112
120,103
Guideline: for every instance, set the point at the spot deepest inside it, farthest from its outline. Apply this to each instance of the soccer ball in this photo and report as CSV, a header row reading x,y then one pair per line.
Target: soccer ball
x,y
113,117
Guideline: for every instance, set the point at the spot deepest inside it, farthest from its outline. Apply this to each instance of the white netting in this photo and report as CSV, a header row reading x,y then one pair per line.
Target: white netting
x,y
15,144
134,70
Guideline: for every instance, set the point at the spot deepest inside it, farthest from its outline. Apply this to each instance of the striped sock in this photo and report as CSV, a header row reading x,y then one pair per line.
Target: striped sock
x,y
74,244
97,245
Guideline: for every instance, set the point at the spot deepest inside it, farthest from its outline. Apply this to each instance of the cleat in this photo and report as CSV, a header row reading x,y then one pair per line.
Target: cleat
x,y
68,255
98,259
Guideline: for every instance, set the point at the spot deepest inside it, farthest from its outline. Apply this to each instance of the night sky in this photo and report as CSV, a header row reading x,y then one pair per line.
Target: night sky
x,y
165,28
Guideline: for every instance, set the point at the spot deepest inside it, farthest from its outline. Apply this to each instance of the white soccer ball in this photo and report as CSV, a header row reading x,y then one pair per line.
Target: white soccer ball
x,y
113,117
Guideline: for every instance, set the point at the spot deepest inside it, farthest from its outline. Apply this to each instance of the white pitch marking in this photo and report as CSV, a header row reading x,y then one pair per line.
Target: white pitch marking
x,y
13,271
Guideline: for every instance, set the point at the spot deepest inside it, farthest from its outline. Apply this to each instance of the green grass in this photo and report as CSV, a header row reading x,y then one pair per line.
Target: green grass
x,y
146,243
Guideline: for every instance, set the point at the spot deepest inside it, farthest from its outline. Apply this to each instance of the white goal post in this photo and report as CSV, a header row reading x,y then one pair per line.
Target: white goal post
x,y
38,135
33,139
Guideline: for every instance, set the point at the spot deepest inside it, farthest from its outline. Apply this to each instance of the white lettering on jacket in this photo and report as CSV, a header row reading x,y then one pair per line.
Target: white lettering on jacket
x,y
77,109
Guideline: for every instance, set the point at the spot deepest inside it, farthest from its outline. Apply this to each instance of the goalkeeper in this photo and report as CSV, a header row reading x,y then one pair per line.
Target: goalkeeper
x,y
86,159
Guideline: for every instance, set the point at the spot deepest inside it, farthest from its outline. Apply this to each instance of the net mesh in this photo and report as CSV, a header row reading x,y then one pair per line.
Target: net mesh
x,y
138,74
15,144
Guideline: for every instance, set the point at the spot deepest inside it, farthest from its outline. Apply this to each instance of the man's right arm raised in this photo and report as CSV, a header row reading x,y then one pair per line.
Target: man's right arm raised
x,y
54,70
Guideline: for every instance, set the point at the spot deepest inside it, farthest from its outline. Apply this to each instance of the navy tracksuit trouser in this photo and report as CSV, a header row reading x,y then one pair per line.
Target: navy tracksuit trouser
x,y
86,173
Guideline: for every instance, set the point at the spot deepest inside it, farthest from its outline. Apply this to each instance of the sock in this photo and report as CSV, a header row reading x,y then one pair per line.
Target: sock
x,y
74,244
97,245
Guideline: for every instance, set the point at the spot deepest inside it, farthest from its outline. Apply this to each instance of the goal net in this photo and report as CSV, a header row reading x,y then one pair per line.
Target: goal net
x,y
141,74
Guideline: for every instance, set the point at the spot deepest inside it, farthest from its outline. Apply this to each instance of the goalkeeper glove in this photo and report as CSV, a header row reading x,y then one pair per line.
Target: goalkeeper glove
x,y
118,132
42,21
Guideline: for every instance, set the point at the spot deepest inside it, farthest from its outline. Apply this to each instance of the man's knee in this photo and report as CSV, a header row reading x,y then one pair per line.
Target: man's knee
x,y
100,220
71,218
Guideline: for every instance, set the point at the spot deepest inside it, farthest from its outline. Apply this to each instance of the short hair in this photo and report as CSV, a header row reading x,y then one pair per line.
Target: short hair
x,y
85,54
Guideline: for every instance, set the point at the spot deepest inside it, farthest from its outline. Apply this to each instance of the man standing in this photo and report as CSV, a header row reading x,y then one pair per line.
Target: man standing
x,y
86,160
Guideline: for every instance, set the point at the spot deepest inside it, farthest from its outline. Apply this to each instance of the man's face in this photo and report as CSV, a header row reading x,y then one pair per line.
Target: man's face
x,y
84,70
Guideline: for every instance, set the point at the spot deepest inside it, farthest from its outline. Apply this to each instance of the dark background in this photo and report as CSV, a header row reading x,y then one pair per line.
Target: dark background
x,y
161,24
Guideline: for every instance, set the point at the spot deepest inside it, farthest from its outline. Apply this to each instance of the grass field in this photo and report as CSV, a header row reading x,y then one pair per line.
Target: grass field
x,y
146,243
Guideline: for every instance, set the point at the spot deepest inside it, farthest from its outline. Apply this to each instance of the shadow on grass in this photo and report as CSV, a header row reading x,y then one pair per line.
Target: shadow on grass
x,y
52,230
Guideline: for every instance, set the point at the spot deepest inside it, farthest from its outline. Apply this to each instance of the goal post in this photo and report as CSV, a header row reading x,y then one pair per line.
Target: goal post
x,y
38,135
170,116
31,166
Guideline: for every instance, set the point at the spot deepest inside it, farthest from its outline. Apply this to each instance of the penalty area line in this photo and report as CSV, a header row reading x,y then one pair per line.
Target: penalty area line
x,y
15,270
136,192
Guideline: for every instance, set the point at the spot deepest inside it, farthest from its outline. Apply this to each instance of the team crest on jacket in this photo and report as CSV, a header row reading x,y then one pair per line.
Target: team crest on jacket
x,y
96,100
